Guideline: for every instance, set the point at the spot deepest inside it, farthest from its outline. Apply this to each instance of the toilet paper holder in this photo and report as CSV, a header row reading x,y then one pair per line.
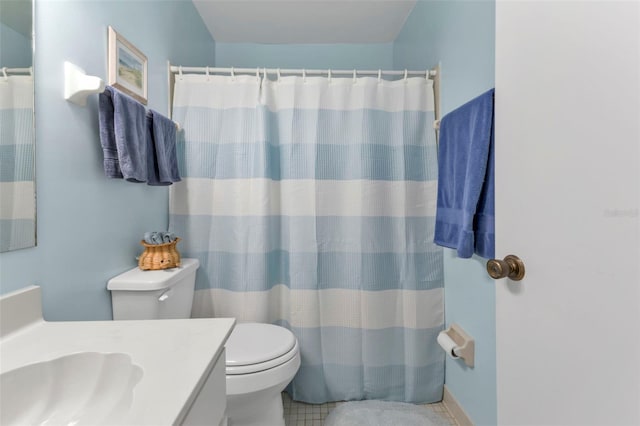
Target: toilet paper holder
x,y
464,344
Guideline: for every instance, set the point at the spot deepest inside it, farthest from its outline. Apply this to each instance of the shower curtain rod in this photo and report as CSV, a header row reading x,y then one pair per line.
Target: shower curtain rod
x,y
5,71
213,70
432,74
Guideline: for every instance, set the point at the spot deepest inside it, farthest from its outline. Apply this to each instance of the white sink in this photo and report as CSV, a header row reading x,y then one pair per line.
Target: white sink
x,y
81,388
91,372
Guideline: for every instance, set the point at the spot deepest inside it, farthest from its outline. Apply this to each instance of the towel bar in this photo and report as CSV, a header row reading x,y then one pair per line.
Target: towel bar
x,y
78,86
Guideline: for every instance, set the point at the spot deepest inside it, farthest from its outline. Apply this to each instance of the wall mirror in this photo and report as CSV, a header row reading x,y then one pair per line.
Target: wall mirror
x,y
17,126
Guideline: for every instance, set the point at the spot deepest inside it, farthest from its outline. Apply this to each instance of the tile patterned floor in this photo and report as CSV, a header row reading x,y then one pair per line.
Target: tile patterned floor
x,y
301,414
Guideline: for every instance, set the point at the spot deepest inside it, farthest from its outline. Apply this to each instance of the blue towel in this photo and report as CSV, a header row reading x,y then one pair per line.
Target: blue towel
x,y
167,237
465,210
122,125
149,237
156,237
153,237
162,162
108,136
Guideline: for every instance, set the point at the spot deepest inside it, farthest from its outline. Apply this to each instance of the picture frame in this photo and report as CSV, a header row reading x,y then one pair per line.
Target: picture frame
x,y
127,67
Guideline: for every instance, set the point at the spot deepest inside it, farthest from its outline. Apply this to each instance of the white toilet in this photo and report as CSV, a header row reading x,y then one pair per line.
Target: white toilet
x,y
261,358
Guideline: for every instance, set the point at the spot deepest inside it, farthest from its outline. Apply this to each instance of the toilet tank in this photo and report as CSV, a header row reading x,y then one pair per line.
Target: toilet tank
x,y
163,294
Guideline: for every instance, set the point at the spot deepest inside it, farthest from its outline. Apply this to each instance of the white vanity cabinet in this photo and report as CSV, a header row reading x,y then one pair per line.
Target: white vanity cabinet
x,y
210,404
179,366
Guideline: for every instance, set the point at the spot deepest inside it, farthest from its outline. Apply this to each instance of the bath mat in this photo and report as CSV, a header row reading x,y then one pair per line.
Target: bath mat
x,y
382,413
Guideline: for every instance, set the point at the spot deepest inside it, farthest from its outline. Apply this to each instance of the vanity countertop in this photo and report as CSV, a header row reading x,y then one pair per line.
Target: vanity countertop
x,y
175,356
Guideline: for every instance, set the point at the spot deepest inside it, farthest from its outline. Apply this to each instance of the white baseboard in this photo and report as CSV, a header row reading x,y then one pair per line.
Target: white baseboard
x,y
455,409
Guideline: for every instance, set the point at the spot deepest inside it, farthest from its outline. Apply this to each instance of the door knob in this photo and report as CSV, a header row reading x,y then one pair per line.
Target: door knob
x,y
511,267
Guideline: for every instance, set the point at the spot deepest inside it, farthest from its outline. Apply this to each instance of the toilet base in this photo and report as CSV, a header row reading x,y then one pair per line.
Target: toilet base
x,y
255,410
256,399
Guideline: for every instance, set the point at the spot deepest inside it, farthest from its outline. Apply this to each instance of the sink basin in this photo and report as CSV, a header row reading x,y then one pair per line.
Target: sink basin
x,y
80,388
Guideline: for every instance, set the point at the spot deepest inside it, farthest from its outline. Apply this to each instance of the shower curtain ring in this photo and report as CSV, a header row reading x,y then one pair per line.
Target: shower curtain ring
x,y
180,71
304,75
207,71
4,72
379,76
354,75
329,75
233,74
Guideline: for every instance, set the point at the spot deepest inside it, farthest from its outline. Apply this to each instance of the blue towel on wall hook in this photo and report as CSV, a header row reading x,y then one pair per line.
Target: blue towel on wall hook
x,y
465,218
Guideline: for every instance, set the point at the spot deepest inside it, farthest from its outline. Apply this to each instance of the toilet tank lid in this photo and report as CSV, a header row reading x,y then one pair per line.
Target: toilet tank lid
x,y
138,280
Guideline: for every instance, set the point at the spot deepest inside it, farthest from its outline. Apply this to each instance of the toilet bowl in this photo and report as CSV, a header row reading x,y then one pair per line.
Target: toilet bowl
x,y
261,359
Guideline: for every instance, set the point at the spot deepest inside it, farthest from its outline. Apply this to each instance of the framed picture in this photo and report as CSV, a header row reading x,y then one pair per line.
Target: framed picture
x,y
127,67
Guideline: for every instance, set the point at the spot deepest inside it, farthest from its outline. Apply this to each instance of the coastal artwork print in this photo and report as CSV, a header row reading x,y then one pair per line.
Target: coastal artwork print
x,y
127,67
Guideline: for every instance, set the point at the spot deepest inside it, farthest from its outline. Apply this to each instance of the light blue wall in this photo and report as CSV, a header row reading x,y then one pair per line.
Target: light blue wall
x,y
15,48
461,36
89,227
318,56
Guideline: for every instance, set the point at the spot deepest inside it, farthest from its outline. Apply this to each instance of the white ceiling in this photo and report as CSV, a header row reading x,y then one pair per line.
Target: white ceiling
x,y
304,21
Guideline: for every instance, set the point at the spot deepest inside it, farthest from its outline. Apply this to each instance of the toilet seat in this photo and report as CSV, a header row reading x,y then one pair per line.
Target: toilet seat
x,y
254,347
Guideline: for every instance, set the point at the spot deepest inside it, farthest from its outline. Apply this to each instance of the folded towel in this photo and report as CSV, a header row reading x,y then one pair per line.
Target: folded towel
x,y
465,207
156,237
122,124
150,237
162,162
153,237
168,237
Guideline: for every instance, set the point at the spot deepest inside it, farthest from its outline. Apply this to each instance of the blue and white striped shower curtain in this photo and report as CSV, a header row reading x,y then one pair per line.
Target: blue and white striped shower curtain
x,y
17,185
310,203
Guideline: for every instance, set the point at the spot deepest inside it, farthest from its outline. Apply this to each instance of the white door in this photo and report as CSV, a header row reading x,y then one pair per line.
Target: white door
x,y
567,200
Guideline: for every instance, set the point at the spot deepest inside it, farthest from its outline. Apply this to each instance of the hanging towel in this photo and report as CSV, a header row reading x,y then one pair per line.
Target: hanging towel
x,y
108,136
485,239
465,209
122,125
162,162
